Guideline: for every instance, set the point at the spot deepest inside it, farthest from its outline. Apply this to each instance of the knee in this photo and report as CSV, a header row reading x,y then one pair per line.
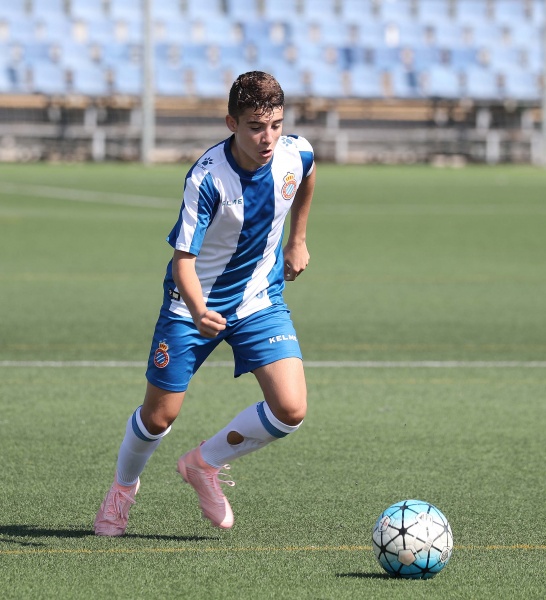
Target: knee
x,y
291,414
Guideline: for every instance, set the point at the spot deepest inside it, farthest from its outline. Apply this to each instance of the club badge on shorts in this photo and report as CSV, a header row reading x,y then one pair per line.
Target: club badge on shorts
x,y
161,355
289,188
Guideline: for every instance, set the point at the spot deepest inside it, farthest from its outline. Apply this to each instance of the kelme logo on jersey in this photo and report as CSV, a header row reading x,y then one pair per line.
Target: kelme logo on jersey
x,y
161,355
289,188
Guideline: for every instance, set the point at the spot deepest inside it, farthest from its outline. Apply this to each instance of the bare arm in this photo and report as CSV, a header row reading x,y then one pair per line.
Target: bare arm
x,y
208,322
296,256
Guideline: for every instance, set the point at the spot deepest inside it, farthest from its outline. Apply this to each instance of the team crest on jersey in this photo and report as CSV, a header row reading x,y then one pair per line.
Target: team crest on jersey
x,y
289,188
161,355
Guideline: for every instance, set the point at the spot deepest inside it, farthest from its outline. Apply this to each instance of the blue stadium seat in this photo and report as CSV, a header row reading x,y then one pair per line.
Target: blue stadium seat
x,y
127,79
87,10
116,53
462,58
366,82
14,9
214,29
404,83
210,82
539,13
521,85
74,55
101,30
48,78
509,11
53,28
319,10
357,10
431,11
175,30
501,57
447,34
334,32
48,8
326,82
396,10
282,10
37,51
89,80
126,10
485,33
471,10
371,33
170,81
385,58
21,29
410,33
481,84
196,9
167,9
242,10
442,82
6,83
424,57
194,55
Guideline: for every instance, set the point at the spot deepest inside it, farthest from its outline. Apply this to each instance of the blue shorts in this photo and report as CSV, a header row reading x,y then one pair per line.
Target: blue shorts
x,y
178,349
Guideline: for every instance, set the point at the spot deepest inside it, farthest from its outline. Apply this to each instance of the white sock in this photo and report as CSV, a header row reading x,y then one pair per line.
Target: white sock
x,y
135,450
256,424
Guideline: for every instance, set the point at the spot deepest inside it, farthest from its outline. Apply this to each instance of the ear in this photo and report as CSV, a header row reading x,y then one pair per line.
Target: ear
x,y
231,124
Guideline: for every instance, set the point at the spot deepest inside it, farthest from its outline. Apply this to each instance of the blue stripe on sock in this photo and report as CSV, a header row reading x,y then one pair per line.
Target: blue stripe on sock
x,y
136,429
271,429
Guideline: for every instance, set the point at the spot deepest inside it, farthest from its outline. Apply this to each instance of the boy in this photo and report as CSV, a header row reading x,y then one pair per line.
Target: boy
x,y
225,282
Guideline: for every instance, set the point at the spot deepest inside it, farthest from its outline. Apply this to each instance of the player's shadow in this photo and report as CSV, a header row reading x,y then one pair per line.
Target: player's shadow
x,y
365,575
30,531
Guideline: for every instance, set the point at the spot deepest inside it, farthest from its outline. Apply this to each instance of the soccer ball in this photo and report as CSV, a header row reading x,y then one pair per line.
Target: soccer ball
x,y
412,539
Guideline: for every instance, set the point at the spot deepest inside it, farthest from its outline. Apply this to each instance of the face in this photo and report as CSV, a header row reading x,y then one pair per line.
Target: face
x,y
256,136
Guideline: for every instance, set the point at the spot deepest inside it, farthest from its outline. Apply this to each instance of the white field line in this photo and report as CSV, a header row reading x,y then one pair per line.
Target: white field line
x,y
425,364
87,196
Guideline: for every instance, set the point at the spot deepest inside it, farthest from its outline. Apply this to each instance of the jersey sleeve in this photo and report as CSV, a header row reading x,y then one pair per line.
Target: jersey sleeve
x,y
306,153
199,206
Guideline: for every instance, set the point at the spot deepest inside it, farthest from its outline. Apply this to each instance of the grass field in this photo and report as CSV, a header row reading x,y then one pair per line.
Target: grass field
x,y
422,318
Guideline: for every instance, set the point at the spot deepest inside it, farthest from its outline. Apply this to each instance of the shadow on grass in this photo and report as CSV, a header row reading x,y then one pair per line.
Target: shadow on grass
x,y
365,575
30,531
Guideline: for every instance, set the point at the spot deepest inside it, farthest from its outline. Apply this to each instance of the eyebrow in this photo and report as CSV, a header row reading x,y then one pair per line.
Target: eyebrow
x,y
275,122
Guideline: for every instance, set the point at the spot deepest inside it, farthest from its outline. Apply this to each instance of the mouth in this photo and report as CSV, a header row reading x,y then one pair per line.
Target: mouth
x,y
266,153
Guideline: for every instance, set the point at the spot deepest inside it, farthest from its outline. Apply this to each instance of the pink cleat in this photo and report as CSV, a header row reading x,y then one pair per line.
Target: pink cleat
x,y
111,520
204,480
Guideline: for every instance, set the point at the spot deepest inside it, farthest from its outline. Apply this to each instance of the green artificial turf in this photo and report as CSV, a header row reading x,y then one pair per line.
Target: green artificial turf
x,y
407,264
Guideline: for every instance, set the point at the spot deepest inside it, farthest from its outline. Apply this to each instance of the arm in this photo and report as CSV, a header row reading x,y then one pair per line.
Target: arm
x,y
296,256
208,322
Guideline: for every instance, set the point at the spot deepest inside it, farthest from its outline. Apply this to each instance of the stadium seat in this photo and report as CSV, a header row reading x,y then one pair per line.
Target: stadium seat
x,y
462,58
371,33
14,9
48,78
481,84
241,10
326,82
87,10
74,55
216,29
421,57
102,30
357,10
539,13
53,28
366,82
521,85
432,11
126,10
170,81
174,30
509,11
410,33
398,11
385,58
501,57
282,10
167,9
196,9
89,80
127,79
211,82
471,10
319,10
404,83
21,29
6,84
289,76
442,82
49,9
447,34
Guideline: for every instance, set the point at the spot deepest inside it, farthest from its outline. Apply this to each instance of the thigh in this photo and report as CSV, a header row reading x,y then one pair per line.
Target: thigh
x,y
284,389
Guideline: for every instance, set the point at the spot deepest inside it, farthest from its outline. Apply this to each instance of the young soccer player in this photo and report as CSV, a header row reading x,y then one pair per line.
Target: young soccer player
x,y
225,282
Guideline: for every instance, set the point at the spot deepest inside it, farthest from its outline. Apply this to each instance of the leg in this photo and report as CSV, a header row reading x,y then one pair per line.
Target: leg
x,y
145,429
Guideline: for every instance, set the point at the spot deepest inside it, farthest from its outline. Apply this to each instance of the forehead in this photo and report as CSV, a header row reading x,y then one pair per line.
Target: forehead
x,y
250,115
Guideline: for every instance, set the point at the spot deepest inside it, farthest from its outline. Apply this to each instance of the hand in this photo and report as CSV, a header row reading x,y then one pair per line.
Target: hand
x,y
296,259
210,323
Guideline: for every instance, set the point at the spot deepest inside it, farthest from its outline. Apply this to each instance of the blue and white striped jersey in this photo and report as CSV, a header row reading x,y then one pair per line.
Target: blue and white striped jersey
x,y
233,221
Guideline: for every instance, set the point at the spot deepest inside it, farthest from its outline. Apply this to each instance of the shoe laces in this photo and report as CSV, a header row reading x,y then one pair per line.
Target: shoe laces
x,y
223,478
119,503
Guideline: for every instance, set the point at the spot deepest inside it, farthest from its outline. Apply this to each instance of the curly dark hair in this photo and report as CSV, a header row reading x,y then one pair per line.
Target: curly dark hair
x,y
257,90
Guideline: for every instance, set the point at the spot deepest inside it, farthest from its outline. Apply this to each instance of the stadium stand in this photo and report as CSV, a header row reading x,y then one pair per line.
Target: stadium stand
x,y
419,52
